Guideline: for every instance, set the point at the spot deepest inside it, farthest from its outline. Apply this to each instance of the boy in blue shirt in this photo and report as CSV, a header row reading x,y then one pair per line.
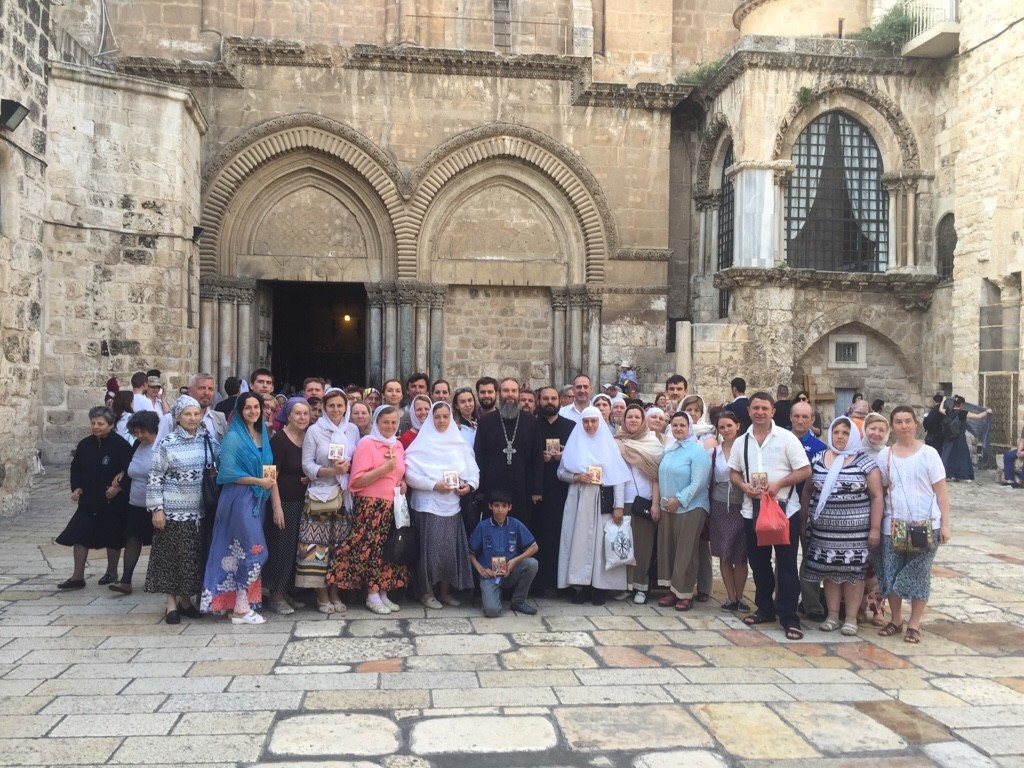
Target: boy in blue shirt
x,y
501,551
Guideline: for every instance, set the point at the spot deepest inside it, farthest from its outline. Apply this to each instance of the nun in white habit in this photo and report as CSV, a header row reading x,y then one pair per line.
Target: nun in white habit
x,y
581,562
440,469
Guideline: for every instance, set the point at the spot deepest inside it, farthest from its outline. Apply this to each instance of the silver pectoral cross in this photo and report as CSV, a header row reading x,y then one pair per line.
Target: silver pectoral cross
x,y
508,451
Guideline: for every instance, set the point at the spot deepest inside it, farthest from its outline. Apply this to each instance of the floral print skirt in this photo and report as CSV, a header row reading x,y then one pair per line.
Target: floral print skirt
x,y
237,552
359,561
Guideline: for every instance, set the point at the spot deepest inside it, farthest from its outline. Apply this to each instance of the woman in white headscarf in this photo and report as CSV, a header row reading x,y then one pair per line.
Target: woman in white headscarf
x,y
419,412
703,429
591,462
618,411
685,501
603,403
440,469
327,451
657,420
841,507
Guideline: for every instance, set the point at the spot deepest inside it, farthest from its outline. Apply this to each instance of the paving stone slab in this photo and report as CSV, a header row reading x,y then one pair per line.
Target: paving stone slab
x,y
429,680
978,716
22,705
133,669
690,758
88,705
231,667
225,722
554,639
26,726
137,724
641,637
613,677
455,645
56,751
366,700
178,685
335,734
837,728
443,626
143,750
956,754
594,729
323,628
697,693
525,678
475,662
492,697
995,741
613,694
217,702
541,657
980,692
339,650
833,692
910,723
325,682
764,735
83,687
481,734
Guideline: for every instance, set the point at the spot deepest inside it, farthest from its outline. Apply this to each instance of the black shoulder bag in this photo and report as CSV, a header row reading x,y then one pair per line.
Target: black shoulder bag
x,y
211,491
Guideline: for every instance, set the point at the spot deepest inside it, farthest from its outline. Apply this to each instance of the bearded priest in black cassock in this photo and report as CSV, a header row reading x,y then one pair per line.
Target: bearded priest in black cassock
x,y
509,452
548,513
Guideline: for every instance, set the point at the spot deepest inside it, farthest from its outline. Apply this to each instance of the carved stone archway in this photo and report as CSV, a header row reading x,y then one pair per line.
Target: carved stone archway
x,y
710,150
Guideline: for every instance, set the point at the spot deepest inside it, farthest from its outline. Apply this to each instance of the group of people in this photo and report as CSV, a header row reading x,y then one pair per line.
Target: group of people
x,y
509,490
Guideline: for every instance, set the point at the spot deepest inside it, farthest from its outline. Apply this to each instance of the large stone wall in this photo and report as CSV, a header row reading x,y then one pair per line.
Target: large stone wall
x,y
24,40
121,273
989,165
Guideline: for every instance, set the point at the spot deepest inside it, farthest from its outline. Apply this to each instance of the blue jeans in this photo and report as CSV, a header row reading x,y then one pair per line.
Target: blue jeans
x,y
518,581
1009,465
767,601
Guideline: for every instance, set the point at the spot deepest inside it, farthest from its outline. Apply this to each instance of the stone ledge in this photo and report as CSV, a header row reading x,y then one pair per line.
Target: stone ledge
x,y
643,254
912,289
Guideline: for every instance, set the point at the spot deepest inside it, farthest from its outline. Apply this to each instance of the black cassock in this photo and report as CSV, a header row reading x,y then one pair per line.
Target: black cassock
x,y
548,514
521,479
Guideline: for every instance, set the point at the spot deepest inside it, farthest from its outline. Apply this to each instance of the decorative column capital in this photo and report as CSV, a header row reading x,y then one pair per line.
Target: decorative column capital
x,y
374,295
707,202
595,297
577,296
560,299
239,290
438,295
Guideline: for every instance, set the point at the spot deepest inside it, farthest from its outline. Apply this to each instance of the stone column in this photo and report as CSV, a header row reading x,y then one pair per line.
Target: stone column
x,y
406,328
559,304
594,335
374,335
437,299
582,29
207,325
577,296
228,337
245,295
390,350
421,302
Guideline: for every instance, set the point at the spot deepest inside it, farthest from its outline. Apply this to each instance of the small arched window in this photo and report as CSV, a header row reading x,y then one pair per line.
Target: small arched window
x,y
836,209
726,226
945,245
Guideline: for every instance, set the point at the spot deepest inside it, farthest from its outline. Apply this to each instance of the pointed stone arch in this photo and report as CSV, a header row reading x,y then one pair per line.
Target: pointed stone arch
x,y
717,130
867,104
275,139
521,144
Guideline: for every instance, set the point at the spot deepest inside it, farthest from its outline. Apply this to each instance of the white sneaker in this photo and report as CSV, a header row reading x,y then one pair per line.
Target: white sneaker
x,y
640,597
250,618
393,607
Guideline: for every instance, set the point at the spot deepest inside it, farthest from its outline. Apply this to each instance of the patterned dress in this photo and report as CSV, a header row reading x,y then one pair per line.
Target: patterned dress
x,y
838,536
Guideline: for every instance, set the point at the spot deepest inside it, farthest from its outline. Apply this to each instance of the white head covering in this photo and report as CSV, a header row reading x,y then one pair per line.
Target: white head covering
x,y
702,426
658,433
671,442
433,452
852,448
593,404
342,433
583,451
375,430
416,423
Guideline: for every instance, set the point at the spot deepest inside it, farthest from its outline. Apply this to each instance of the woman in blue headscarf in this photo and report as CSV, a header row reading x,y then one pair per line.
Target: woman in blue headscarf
x,y
239,549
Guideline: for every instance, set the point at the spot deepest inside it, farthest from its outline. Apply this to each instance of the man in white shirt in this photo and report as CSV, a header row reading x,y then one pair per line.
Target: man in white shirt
x,y
583,390
768,459
201,386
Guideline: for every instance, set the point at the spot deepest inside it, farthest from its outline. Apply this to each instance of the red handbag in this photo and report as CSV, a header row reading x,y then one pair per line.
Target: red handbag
x,y
772,525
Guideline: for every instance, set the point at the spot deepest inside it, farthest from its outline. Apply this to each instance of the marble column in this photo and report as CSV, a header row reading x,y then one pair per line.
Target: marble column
x,y
245,295
757,218
437,299
207,325
577,302
406,329
594,336
559,305
374,335
390,296
228,338
421,303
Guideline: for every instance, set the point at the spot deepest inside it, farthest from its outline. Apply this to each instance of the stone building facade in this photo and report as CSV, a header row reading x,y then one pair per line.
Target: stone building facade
x,y
516,188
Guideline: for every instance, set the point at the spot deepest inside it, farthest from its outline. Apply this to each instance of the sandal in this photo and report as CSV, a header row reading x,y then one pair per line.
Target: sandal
x,y
685,604
849,629
667,601
829,625
794,633
758,618
890,629
913,636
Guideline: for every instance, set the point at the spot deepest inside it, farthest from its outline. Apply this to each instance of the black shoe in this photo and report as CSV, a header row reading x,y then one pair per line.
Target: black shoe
x,y
72,584
172,617
598,597
579,597
190,612
524,608
107,578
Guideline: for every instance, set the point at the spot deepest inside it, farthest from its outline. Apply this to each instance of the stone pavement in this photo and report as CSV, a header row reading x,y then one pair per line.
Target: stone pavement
x,y
92,678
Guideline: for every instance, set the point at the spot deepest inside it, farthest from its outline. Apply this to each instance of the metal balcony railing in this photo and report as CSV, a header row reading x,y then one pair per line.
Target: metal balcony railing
x,y
927,14
477,33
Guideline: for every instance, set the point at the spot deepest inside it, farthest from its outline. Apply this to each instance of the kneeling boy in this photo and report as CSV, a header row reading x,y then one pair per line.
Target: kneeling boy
x,y
501,551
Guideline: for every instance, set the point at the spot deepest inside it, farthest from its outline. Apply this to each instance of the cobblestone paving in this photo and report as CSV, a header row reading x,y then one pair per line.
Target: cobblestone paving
x,y
93,678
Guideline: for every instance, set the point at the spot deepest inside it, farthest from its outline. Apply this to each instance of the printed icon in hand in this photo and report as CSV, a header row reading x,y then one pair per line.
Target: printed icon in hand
x,y
552,445
595,474
336,452
500,566
270,472
451,478
759,480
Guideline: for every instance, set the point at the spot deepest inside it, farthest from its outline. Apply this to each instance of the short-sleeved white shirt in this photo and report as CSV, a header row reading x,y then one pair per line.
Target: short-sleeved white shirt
x,y
779,454
909,491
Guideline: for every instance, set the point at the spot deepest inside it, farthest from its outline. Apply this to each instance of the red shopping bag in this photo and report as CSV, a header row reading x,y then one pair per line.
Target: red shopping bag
x,y
772,526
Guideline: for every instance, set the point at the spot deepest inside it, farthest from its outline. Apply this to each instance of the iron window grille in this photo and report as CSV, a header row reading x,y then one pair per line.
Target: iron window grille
x,y
726,226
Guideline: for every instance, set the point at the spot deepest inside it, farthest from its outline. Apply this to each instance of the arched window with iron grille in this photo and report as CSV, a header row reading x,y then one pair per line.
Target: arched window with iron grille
x,y
726,226
945,245
836,208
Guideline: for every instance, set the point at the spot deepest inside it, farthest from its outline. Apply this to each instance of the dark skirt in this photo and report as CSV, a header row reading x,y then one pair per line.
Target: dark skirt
x,y
103,530
444,552
728,537
237,552
175,559
956,458
359,562
279,570
139,525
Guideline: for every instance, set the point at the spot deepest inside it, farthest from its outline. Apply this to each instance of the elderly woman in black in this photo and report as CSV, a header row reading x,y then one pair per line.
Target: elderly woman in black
x,y
97,472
